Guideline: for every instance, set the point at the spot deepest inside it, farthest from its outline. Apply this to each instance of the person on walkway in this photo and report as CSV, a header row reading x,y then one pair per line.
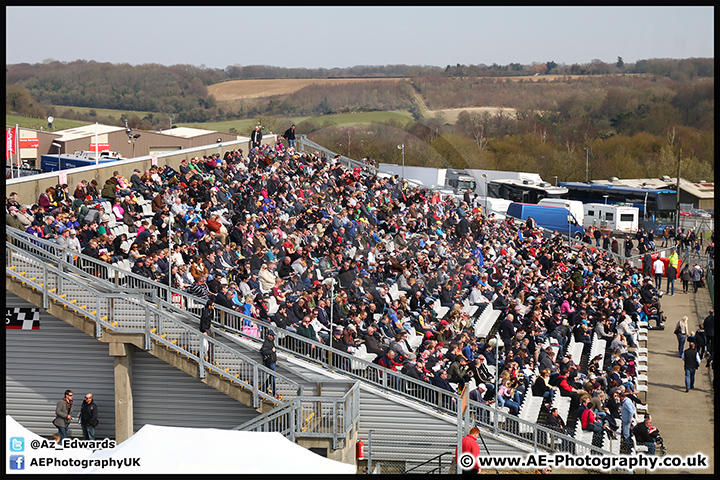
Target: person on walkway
x,y
691,362
709,324
63,414
289,135
256,137
671,276
697,275
88,417
681,332
685,276
627,414
470,447
269,357
658,269
206,318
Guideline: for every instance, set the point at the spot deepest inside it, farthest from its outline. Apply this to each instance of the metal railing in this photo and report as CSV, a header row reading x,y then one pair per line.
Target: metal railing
x,y
254,329
312,416
308,146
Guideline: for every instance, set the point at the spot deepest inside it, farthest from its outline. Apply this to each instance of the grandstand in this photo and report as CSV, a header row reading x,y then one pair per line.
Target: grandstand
x,y
323,392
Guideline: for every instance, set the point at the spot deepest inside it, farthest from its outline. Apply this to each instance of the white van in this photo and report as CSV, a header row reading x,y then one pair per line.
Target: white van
x,y
574,206
619,218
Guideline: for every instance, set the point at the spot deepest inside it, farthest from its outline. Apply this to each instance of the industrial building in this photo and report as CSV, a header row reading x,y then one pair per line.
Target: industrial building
x,y
699,194
129,143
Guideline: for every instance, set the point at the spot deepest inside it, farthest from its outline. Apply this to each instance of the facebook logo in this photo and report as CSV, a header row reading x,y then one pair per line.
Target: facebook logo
x,y
17,462
17,444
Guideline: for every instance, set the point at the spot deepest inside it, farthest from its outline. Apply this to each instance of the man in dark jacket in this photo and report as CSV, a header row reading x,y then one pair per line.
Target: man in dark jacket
x,y
691,362
206,317
269,356
89,417
373,342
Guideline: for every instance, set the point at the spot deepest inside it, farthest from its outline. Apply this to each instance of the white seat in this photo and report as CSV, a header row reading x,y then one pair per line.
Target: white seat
x,y
272,305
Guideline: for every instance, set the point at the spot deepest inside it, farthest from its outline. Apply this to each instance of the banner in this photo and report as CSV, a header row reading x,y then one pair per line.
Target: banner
x,y
11,134
22,319
102,147
29,142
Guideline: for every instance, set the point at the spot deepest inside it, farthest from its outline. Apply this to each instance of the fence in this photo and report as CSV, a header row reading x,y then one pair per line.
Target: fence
x,y
126,310
308,146
312,417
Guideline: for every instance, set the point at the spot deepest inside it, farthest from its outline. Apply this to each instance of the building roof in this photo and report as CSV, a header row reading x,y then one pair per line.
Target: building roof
x,y
86,131
704,190
186,132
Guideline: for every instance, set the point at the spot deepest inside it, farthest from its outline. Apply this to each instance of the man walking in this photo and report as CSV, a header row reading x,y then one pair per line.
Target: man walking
x,y
697,275
709,324
88,417
470,448
269,357
658,269
289,135
691,362
63,414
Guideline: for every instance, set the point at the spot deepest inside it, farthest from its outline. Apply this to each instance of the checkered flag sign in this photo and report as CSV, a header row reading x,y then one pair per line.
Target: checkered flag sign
x,y
22,318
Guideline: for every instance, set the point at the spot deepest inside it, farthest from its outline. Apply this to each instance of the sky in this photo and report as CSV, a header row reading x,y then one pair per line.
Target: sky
x,y
340,37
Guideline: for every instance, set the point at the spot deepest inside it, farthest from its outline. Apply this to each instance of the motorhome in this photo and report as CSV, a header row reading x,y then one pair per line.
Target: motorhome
x,y
612,217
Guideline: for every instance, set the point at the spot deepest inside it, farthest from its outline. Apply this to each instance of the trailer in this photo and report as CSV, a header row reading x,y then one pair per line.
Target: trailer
x,y
53,163
612,217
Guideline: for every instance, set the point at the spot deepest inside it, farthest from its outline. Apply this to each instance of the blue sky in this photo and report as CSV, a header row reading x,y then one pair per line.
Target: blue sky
x,y
327,37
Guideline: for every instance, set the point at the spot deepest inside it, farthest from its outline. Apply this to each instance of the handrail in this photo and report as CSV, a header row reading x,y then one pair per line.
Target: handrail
x,y
356,368
123,312
436,457
114,309
303,414
306,145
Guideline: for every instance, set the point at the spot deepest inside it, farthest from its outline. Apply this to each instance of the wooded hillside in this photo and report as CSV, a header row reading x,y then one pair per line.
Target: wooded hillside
x,y
633,119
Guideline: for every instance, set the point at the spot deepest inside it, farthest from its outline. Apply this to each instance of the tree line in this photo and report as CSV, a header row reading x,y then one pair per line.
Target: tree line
x,y
632,122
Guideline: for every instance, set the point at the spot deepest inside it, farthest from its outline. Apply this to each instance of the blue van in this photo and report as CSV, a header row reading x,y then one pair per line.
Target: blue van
x,y
548,217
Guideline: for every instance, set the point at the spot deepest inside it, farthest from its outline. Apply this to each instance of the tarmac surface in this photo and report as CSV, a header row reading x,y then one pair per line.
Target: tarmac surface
x,y
686,421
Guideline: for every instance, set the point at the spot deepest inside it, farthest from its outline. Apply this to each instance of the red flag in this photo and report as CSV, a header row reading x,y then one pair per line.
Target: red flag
x,y
11,141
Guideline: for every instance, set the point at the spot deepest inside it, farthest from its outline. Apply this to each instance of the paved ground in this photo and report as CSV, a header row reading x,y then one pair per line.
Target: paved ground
x,y
686,420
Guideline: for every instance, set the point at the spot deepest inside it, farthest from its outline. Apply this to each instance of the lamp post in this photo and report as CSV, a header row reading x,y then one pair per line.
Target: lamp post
x,y
567,206
587,164
402,147
556,178
497,372
55,144
484,175
331,283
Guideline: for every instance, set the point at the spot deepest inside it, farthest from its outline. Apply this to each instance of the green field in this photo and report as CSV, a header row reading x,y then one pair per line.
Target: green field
x,y
343,119
37,123
243,127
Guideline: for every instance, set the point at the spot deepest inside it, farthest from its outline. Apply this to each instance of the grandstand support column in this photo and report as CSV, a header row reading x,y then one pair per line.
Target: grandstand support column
x,y
122,356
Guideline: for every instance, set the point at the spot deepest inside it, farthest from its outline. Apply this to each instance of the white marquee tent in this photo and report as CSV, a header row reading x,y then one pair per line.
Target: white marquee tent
x,y
207,450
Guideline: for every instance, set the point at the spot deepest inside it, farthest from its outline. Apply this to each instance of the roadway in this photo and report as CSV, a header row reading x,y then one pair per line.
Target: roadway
x,y
686,420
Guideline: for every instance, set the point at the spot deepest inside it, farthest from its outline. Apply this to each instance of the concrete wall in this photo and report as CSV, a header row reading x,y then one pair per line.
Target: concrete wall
x,y
29,188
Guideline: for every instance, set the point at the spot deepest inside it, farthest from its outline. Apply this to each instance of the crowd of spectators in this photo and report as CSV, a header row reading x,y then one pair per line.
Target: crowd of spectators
x,y
268,227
